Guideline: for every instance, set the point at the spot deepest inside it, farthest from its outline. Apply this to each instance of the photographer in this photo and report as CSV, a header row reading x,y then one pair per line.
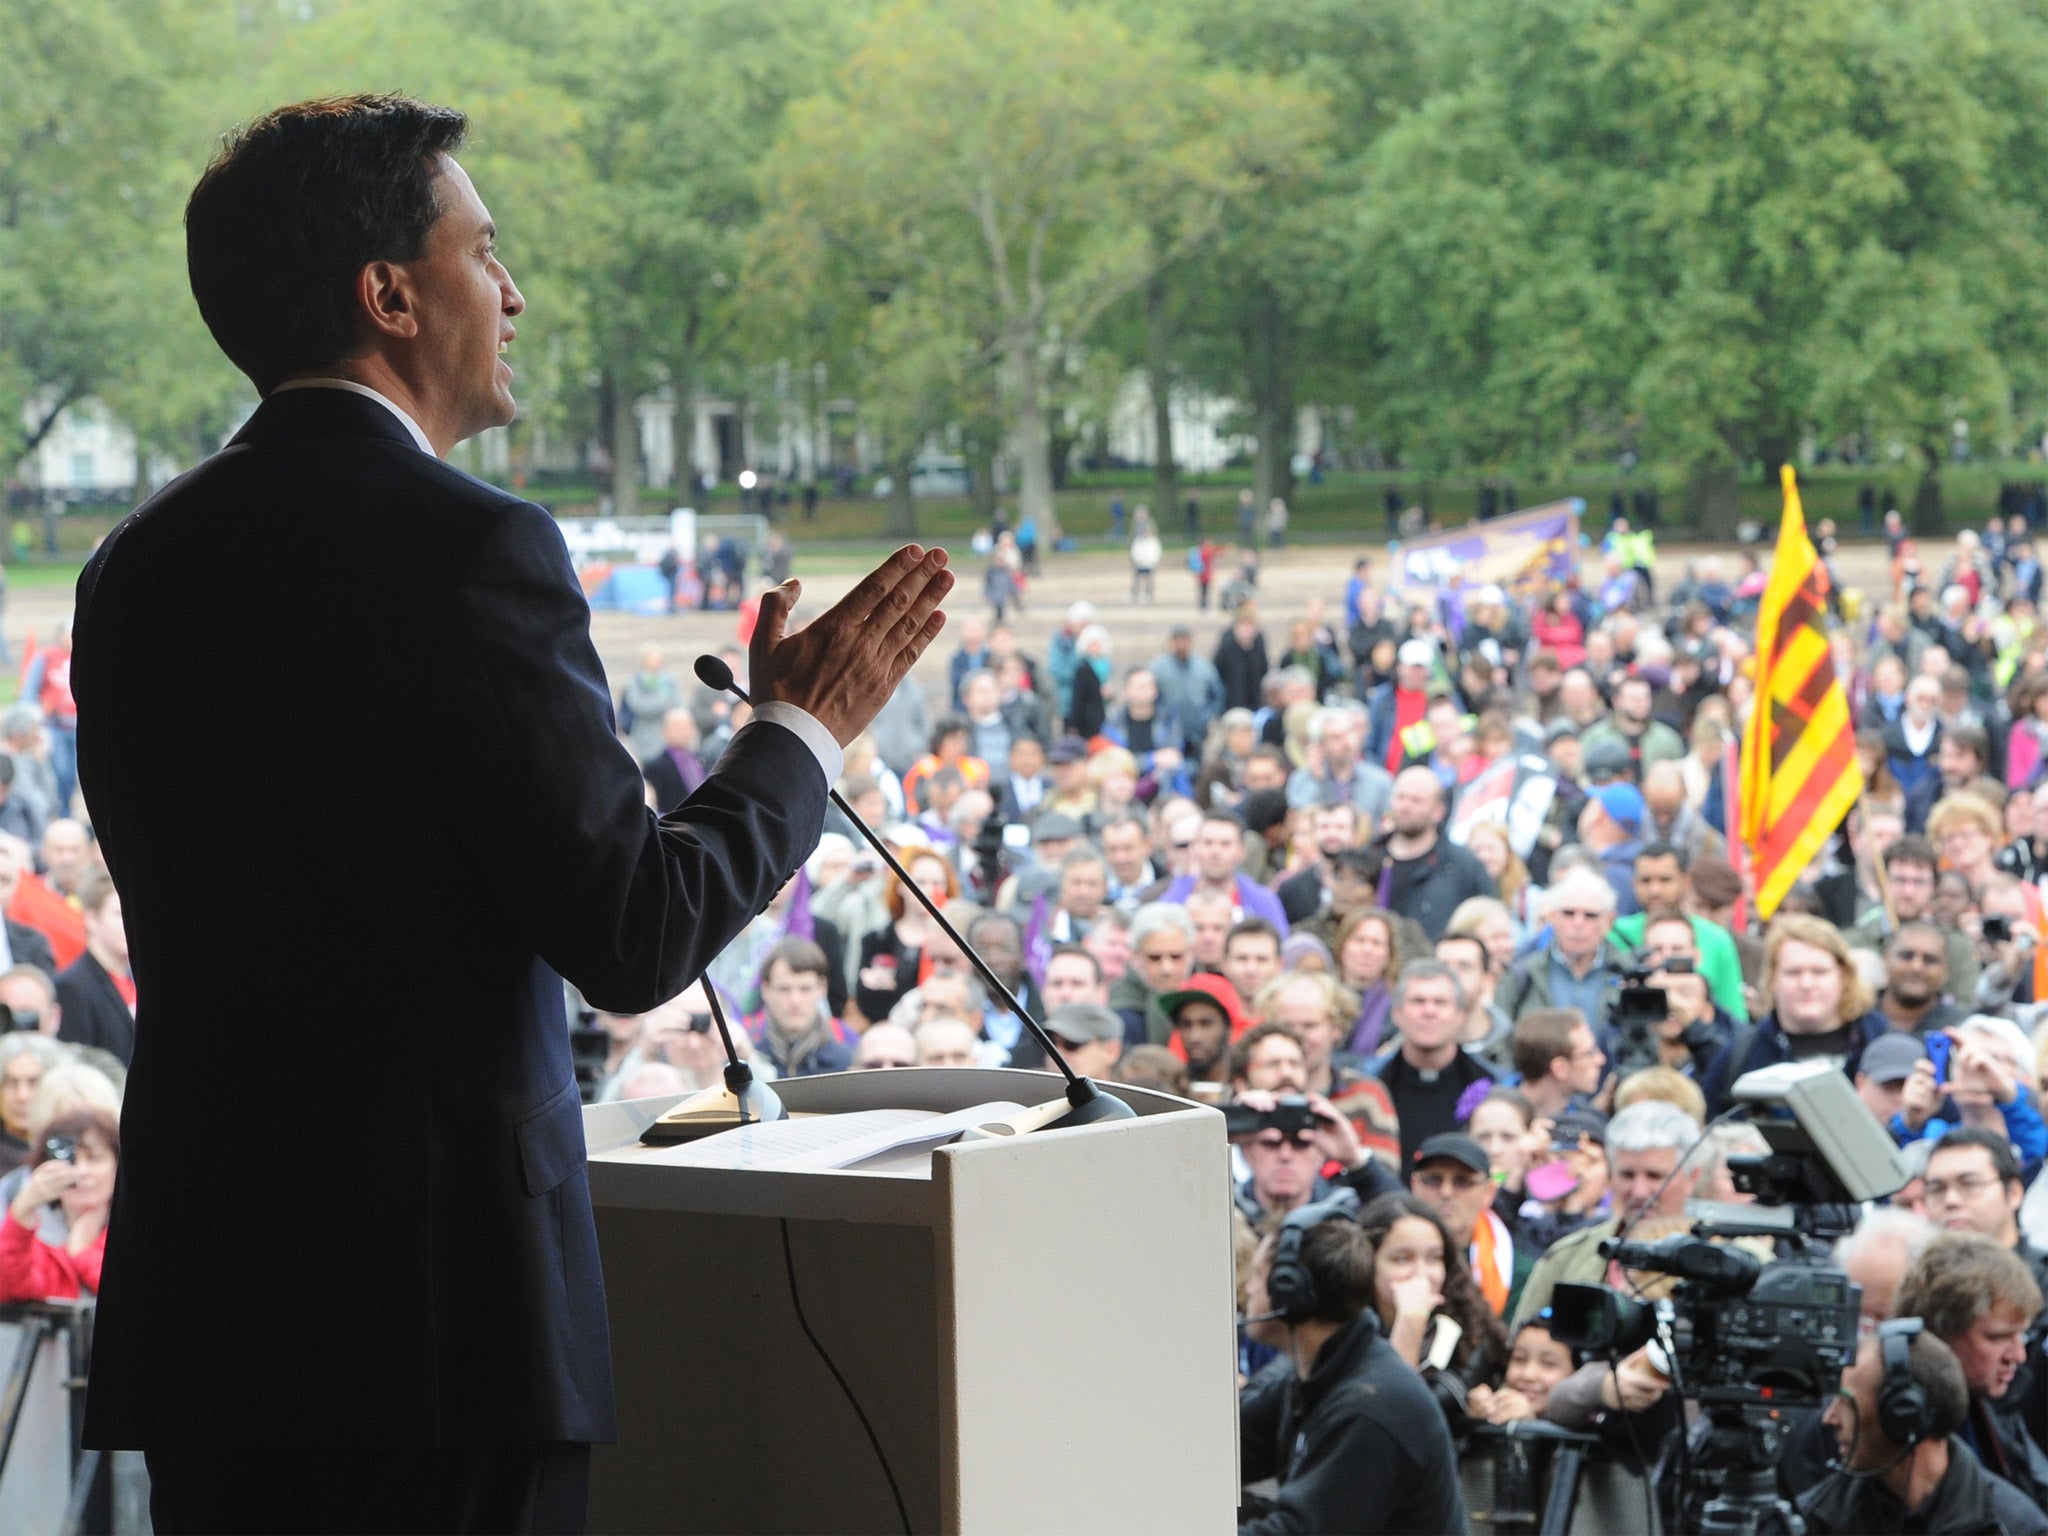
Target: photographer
x,y
75,1159
1979,1087
1287,1141
1343,1425
2008,949
1914,1475
1695,1029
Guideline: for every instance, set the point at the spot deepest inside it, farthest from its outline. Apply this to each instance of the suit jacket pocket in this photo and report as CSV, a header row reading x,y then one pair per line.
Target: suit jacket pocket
x,y
551,1140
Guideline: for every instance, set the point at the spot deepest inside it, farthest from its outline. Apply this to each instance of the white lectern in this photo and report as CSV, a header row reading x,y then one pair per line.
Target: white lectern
x,y
1039,1330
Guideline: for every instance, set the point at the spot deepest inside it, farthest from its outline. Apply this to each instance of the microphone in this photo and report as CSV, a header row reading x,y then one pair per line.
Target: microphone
x,y
1089,1103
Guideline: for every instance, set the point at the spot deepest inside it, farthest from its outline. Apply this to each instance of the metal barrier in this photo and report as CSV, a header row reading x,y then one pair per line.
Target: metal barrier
x,y
48,1483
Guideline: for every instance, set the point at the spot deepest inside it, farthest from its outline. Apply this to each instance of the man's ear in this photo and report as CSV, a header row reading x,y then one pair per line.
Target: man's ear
x,y
386,300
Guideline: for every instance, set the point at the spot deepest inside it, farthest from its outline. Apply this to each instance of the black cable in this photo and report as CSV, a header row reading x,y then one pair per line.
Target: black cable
x,y
797,1301
1629,1428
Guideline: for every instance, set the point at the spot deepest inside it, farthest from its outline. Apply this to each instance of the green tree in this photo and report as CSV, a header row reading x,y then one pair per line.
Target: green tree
x,y
1001,160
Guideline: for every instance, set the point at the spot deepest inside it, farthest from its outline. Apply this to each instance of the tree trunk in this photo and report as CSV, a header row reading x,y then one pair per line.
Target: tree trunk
x,y
625,445
1713,499
1159,378
902,505
1034,440
1272,391
1927,517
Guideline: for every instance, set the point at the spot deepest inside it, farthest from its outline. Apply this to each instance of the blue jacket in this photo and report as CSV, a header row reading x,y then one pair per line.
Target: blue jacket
x,y
1766,1046
2024,1128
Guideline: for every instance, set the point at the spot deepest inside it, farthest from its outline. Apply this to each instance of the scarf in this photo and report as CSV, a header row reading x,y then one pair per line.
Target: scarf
x,y
1493,1261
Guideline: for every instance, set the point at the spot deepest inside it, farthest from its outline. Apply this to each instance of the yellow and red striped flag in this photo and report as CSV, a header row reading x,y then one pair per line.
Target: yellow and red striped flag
x,y
1800,775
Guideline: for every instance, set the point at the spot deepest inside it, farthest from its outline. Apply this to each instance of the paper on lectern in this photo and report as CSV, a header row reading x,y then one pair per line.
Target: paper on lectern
x,y
829,1141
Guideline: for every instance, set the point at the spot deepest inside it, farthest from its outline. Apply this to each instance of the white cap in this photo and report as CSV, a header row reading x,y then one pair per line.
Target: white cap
x,y
1491,595
1416,653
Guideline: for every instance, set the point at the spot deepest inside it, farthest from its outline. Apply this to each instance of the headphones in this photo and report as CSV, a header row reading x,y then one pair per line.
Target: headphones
x,y
1904,1411
1290,1288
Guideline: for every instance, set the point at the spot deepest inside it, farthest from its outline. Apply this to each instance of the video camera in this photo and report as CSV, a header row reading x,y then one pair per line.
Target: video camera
x,y
1637,1009
1745,1339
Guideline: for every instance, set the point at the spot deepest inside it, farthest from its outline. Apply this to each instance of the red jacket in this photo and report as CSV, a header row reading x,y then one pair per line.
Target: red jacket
x,y
1565,635
33,1270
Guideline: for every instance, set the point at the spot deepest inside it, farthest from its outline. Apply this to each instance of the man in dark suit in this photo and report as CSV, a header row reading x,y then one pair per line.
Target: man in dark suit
x,y
96,992
353,950
675,771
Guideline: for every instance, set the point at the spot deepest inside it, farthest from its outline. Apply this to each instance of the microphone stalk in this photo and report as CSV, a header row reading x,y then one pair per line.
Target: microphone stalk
x,y
1089,1103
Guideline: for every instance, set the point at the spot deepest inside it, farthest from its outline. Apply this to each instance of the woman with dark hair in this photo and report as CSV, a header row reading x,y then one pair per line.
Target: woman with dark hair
x,y
75,1159
1419,1278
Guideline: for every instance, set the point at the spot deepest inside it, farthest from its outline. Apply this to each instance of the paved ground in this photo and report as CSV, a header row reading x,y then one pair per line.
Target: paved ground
x,y
1289,580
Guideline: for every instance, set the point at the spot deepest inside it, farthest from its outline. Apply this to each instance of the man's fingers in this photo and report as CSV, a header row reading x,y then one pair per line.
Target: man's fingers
x,y
924,600
769,624
907,657
878,583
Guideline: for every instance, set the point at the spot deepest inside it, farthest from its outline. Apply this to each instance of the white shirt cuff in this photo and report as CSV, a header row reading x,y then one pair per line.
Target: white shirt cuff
x,y
813,735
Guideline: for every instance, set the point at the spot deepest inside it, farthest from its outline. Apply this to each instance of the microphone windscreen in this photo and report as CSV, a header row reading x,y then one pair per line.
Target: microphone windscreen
x,y
712,672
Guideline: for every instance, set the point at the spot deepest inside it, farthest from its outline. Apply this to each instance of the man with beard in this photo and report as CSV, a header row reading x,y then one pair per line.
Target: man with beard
x,y
1916,981
1426,875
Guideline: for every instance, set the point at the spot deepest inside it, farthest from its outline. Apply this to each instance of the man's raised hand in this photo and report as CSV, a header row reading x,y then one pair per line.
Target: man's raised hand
x,y
842,666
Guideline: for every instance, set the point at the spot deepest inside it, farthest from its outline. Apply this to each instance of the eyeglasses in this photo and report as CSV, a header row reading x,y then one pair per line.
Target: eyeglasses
x,y
1273,1141
1578,912
1965,1185
1461,1184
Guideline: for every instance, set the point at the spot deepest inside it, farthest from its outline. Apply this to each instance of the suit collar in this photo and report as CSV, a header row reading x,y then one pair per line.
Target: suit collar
x,y
322,413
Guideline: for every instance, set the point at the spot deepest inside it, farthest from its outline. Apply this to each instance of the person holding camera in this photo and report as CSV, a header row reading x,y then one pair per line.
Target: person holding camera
x,y
1695,1028
1896,1419
1287,1140
1340,1421
2009,949
74,1164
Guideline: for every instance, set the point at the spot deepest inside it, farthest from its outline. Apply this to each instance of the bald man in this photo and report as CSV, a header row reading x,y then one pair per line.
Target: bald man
x,y
1427,875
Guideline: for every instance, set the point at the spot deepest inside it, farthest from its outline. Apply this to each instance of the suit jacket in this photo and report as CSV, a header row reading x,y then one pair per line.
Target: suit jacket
x,y
94,1012
670,787
30,948
351,897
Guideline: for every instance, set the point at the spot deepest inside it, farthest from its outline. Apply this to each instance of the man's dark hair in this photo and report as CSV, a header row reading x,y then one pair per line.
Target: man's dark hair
x,y
1972,739
1663,850
1075,950
1541,1036
1362,864
1267,752
1241,1049
1338,1257
2003,1163
990,919
800,956
293,208
1252,928
1922,926
1911,849
1479,944
950,725
1264,809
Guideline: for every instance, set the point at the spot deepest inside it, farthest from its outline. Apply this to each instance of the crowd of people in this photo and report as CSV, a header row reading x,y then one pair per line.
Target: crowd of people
x,y
1375,874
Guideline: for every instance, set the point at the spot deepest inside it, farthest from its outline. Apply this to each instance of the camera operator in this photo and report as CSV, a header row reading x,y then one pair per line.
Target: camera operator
x,y
1979,1299
1342,1423
1696,1028
1645,1145
1902,1465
